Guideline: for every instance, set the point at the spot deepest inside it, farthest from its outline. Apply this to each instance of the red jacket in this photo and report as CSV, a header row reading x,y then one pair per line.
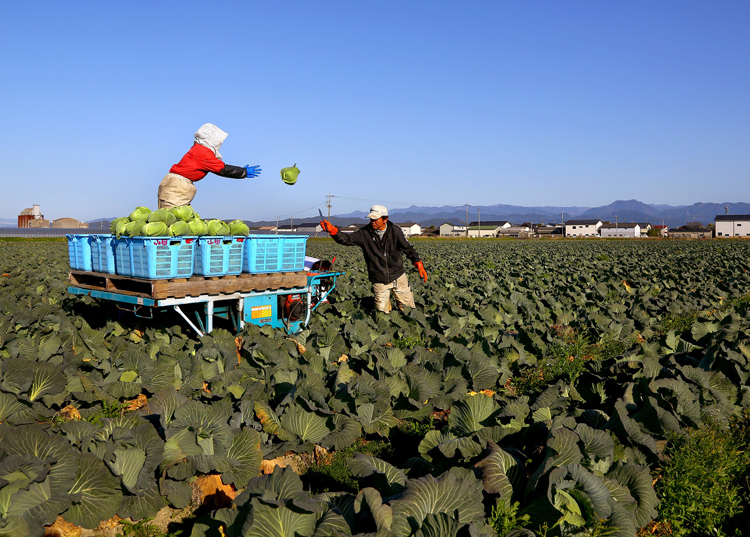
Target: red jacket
x,y
197,163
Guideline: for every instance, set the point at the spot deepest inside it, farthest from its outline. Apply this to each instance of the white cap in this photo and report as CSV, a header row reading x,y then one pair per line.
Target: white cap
x,y
376,211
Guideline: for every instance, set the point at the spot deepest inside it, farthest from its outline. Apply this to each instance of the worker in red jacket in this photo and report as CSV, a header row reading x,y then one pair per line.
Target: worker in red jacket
x,y
178,186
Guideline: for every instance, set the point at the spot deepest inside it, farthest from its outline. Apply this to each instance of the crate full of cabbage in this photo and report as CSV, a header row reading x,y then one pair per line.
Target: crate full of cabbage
x,y
176,243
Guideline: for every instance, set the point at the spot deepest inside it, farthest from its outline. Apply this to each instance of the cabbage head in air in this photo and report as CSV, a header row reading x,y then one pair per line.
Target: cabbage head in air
x,y
218,228
162,215
140,213
198,227
238,227
155,229
133,229
180,229
113,224
184,213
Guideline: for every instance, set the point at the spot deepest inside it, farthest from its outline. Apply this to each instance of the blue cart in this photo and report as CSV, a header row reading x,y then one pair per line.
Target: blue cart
x,y
281,300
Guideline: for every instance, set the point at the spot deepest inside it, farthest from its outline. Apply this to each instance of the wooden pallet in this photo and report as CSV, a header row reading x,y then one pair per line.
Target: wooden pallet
x,y
183,287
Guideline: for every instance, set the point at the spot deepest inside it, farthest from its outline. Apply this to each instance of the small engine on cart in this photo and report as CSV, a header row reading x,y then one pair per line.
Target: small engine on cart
x,y
294,306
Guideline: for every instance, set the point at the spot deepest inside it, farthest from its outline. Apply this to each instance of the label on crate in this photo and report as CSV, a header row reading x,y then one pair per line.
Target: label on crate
x,y
161,242
213,241
263,313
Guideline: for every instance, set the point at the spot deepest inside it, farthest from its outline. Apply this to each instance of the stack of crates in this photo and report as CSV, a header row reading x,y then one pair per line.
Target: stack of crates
x,y
218,256
274,253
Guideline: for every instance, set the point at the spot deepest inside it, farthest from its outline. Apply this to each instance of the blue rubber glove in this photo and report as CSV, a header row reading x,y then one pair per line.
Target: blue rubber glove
x,y
253,171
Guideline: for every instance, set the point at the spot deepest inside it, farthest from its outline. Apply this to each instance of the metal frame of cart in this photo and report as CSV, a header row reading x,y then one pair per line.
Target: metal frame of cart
x,y
254,307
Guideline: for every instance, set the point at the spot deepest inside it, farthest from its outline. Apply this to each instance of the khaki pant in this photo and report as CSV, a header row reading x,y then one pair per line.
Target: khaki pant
x,y
175,190
401,290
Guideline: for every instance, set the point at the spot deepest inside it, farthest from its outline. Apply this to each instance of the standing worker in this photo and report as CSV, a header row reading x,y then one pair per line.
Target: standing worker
x,y
382,244
178,186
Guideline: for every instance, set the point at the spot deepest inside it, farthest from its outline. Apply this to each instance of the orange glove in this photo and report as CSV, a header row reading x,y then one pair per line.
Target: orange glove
x,y
330,228
422,271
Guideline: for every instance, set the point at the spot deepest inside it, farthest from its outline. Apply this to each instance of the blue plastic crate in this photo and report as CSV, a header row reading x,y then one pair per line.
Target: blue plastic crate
x,y
218,256
103,253
79,252
155,257
274,253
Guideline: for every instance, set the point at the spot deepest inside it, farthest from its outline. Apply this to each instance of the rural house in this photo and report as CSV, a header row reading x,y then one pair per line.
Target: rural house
x,y
692,230
623,229
732,225
410,228
582,228
452,230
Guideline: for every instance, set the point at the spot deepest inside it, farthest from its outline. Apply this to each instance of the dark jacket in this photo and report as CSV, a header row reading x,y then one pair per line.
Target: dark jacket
x,y
383,258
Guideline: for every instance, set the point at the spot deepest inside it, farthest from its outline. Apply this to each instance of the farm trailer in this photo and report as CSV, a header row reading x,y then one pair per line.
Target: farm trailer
x,y
280,299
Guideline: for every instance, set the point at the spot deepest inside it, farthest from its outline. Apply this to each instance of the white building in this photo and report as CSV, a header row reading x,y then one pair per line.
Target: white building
x,y
732,225
516,232
582,228
452,230
621,230
410,228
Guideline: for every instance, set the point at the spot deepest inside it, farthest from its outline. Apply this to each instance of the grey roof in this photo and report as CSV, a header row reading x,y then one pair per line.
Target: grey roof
x,y
732,217
581,222
621,225
490,223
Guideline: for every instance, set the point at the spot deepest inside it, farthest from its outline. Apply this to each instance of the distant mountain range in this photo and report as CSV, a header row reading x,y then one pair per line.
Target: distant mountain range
x,y
620,211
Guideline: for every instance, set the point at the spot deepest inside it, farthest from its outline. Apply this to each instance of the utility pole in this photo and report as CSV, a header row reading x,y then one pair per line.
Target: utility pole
x,y
616,233
328,204
479,221
467,220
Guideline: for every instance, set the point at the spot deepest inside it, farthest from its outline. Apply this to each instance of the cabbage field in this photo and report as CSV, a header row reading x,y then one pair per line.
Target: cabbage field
x,y
535,390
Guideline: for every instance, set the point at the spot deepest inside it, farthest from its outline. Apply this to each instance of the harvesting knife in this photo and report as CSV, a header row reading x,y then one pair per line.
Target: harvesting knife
x,y
321,214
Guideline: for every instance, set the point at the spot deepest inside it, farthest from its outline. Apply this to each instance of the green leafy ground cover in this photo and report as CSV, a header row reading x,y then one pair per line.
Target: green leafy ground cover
x,y
539,388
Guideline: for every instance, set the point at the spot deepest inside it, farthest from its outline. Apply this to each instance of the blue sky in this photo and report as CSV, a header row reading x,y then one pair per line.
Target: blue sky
x,y
399,102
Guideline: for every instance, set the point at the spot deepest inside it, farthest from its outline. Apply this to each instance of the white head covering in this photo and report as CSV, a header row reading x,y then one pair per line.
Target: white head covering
x,y
212,137
376,211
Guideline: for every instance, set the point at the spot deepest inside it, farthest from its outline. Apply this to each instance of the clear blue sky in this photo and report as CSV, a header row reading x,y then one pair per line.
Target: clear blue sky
x,y
416,102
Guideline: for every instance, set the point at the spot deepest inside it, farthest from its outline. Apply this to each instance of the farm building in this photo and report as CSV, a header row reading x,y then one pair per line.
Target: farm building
x,y
516,232
623,229
452,230
549,231
483,231
38,223
310,227
69,223
28,215
582,228
410,228
732,225
692,230
663,230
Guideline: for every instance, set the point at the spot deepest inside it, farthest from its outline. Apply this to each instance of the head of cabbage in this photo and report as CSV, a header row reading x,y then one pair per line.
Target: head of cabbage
x,y
180,229
133,229
113,223
140,213
162,215
121,227
238,227
198,227
184,213
218,228
155,229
